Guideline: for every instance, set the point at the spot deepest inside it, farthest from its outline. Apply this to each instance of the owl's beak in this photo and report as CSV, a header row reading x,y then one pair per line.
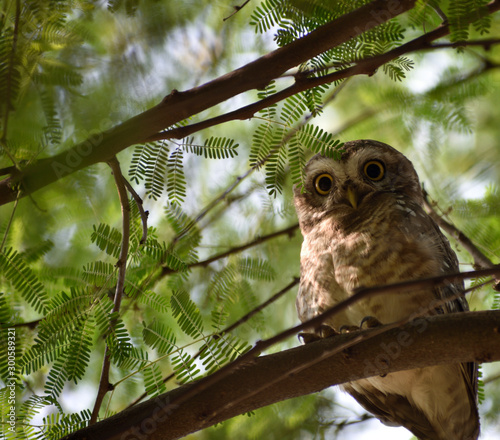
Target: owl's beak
x,y
352,196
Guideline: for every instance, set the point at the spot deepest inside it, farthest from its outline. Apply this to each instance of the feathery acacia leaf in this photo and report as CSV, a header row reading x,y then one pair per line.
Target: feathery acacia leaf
x,y
153,380
15,270
319,141
256,269
108,239
185,367
176,182
213,148
220,350
187,314
149,163
154,300
159,337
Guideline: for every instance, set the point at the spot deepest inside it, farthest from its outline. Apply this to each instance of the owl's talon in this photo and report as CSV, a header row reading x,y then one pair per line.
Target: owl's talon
x,y
348,329
322,332
326,331
307,338
369,322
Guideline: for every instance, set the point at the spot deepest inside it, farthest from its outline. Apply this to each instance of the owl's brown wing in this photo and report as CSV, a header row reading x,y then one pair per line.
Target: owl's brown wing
x,y
452,290
458,303
395,410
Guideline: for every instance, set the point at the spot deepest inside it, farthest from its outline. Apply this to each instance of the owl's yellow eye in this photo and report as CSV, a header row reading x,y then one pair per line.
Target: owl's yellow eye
x,y
374,170
323,184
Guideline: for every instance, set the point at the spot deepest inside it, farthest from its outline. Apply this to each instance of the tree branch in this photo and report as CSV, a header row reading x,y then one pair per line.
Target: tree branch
x,y
259,240
221,375
481,261
233,326
178,106
367,66
440,339
140,206
104,383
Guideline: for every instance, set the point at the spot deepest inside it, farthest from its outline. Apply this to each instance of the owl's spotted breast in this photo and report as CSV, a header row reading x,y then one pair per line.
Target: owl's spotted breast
x,y
364,225
343,254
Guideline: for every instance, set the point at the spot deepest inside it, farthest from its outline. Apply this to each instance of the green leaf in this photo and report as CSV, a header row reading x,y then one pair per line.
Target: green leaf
x,y
149,163
185,367
319,141
213,148
15,270
159,337
108,239
154,300
187,314
257,269
176,182
153,380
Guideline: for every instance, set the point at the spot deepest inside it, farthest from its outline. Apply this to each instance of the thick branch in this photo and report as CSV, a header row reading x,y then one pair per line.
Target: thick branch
x,y
366,66
440,339
181,105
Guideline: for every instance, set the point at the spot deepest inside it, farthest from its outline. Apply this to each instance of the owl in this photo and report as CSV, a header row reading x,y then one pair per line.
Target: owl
x,y
363,225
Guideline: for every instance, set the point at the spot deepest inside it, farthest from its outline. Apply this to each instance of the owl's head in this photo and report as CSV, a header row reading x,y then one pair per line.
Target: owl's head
x,y
368,175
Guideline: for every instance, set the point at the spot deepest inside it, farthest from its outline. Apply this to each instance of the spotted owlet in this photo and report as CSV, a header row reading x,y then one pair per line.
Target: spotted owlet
x,y
364,225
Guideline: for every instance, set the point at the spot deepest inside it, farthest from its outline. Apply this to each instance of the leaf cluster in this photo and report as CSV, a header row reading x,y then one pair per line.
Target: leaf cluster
x,y
160,164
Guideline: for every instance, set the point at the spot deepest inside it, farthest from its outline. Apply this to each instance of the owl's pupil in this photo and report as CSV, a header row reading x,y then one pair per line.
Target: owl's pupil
x,y
324,184
373,171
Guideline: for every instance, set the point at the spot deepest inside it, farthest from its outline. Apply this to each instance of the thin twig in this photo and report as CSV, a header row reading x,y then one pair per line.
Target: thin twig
x,y
144,214
259,240
481,261
236,10
212,205
261,306
11,218
104,383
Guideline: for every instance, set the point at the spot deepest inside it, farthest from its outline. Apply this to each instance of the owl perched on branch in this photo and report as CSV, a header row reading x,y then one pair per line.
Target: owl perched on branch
x,y
364,225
